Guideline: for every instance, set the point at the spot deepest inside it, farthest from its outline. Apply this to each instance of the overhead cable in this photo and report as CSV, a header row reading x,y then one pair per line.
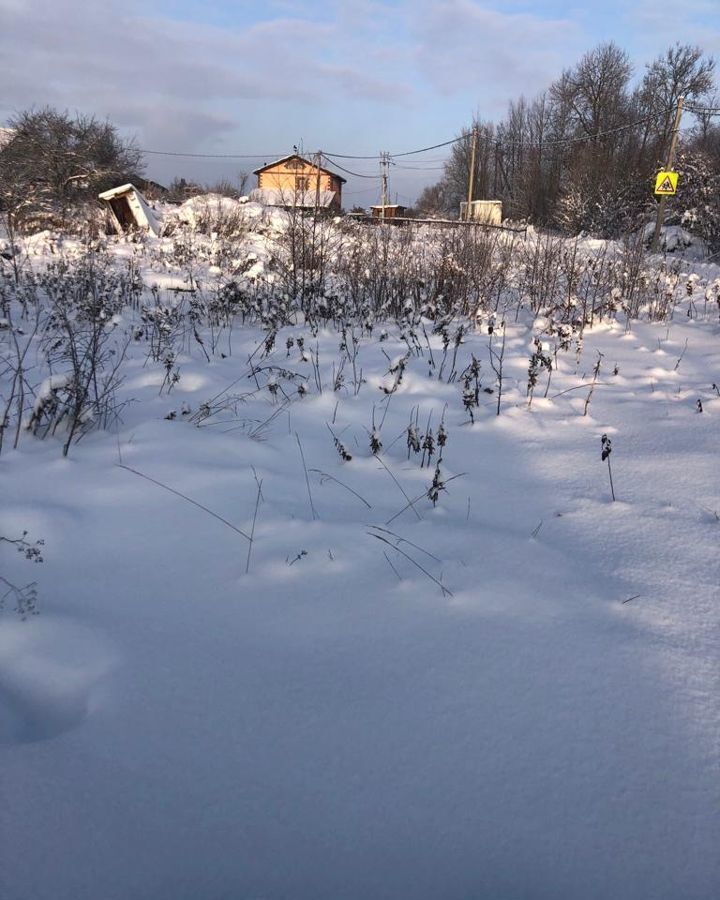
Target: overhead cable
x,y
354,174
703,110
331,157
214,155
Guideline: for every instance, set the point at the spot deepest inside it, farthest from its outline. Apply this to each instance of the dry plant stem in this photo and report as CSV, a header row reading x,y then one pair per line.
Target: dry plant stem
x,y
612,486
402,491
392,566
419,497
406,541
680,358
596,372
341,483
252,530
446,591
307,478
496,363
185,497
387,406
577,387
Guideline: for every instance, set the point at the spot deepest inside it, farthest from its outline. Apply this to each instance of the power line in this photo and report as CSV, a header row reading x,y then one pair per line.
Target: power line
x,y
578,140
350,156
704,110
434,147
331,157
420,168
354,174
213,155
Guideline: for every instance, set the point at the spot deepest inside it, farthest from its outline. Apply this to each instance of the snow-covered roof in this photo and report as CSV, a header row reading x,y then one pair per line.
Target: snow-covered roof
x,y
307,162
138,206
118,191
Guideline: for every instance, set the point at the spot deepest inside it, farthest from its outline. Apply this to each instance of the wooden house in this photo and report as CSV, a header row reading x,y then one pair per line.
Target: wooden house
x,y
294,181
388,211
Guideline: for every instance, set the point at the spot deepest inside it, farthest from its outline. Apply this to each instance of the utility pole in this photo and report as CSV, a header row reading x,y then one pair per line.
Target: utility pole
x,y
318,159
471,176
668,167
384,165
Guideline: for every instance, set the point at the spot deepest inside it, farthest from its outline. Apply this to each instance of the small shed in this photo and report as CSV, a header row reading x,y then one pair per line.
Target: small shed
x,y
129,209
388,211
488,212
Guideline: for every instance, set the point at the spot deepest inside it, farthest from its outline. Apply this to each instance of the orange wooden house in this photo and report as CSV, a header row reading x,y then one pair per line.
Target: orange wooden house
x,y
294,181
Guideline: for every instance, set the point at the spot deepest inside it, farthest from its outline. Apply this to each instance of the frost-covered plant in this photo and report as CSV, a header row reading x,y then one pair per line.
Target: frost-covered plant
x,y
428,447
539,360
172,372
437,485
606,450
25,596
21,315
342,450
84,346
471,386
595,376
497,358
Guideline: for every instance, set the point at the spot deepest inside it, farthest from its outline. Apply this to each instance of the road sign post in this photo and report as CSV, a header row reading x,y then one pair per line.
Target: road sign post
x,y
663,194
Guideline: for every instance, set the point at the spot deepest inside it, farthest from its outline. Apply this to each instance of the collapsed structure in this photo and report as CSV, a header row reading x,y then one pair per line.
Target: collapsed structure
x,y
129,210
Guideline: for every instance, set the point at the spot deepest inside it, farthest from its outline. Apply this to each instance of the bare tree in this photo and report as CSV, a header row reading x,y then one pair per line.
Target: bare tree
x,y
54,161
682,71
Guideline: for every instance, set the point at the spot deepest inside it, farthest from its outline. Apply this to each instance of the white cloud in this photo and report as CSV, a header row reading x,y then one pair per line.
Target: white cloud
x,y
463,45
113,59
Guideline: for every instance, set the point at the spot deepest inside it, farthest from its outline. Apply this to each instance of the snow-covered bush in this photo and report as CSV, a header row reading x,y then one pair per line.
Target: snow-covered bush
x,y
697,204
83,344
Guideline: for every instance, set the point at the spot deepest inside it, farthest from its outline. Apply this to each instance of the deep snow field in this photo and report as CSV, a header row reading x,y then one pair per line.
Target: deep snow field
x,y
513,693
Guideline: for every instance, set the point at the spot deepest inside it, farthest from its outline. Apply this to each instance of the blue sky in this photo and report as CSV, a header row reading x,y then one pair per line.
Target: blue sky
x,y
345,76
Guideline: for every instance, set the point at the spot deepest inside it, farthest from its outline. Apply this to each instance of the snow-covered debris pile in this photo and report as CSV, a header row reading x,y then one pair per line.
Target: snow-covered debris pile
x,y
213,213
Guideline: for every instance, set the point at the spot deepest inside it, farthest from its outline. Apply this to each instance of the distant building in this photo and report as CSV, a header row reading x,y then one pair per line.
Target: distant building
x,y
388,211
293,181
489,212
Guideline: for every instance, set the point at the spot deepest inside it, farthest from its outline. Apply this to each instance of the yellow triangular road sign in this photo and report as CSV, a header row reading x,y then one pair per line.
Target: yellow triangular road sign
x,y
666,183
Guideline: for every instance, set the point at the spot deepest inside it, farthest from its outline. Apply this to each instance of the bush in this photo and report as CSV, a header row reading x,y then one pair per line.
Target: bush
x,y
55,162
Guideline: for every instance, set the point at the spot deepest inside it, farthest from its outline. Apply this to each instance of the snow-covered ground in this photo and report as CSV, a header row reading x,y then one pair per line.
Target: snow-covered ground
x,y
514,693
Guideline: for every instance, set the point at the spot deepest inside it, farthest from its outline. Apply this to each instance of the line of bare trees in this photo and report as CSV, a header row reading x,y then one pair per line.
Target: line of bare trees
x,y
582,154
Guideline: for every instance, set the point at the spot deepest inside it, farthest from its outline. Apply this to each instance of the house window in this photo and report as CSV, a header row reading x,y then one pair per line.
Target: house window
x,y
302,183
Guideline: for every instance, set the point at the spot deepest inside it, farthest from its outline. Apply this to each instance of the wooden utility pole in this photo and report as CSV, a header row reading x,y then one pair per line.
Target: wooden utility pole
x,y
471,175
384,163
318,160
668,168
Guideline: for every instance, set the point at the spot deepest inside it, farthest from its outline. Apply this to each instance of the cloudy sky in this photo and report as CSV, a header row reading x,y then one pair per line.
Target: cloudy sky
x,y
344,76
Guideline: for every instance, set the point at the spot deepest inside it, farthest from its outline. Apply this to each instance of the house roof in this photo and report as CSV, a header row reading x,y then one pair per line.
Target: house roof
x,y
307,161
118,191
